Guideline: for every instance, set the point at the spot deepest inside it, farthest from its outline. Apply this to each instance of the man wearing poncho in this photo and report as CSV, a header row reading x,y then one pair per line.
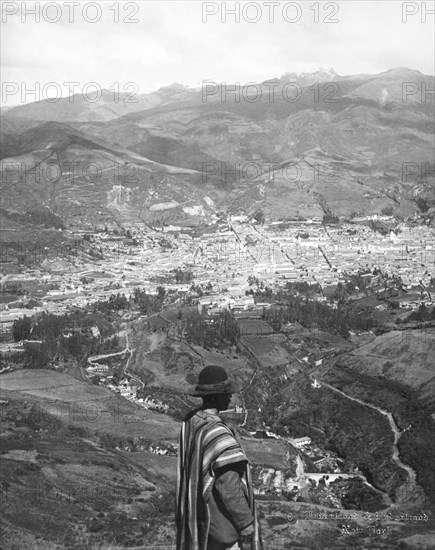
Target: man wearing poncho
x,y
215,508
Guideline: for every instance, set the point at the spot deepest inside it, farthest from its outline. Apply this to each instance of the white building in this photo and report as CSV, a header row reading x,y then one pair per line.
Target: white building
x,y
300,441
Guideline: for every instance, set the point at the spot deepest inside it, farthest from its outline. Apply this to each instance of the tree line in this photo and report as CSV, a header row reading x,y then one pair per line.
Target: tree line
x,y
310,313
222,332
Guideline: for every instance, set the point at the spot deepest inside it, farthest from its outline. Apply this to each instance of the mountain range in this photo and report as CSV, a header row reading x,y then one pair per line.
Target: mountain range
x,y
299,145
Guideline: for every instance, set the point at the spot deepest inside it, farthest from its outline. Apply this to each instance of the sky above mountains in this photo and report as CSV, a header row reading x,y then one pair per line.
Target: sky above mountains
x,y
156,43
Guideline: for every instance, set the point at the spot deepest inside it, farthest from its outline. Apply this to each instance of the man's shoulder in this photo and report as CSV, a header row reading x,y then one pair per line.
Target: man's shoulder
x,y
207,420
190,416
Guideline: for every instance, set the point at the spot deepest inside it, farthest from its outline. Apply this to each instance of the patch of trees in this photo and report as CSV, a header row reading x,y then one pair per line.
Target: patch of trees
x,y
45,217
387,211
37,356
259,217
417,449
59,338
114,303
161,292
422,204
148,303
316,314
164,243
302,234
352,285
357,495
197,289
330,219
263,294
223,332
303,288
267,395
422,314
297,410
183,275
416,445
367,442
21,329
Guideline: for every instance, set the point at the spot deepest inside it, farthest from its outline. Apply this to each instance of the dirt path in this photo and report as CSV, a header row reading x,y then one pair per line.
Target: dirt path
x,y
397,433
92,360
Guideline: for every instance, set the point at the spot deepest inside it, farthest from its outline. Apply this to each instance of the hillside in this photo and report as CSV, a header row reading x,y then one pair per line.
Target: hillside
x,y
79,467
85,182
337,146
399,356
79,463
61,474
395,372
95,104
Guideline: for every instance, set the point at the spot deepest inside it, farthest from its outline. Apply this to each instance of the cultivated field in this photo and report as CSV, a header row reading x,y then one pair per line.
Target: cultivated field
x,y
89,406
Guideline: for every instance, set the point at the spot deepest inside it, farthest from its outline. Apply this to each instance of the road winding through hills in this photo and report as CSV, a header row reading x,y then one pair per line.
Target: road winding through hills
x,y
397,433
93,360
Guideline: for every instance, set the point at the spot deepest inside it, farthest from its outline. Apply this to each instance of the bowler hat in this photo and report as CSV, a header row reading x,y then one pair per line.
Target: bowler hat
x,y
214,379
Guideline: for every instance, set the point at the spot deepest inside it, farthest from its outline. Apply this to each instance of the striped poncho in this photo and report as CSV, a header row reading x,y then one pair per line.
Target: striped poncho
x,y
205,443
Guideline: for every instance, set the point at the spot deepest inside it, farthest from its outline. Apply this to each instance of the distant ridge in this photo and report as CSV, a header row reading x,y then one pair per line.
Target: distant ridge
x,y
351,145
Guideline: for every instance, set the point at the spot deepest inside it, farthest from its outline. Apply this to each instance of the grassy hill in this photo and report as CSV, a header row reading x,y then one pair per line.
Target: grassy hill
x,y
401,356
78,471
61,479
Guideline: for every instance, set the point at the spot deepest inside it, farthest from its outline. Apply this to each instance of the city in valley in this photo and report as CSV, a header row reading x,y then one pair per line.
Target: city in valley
x,y
290,241
291,307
